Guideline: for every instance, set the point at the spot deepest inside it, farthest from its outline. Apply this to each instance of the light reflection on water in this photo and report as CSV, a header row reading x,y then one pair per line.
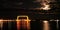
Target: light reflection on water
x,y
47,25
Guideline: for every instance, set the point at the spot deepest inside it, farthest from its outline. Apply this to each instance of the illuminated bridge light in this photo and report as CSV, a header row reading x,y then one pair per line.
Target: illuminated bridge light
x,y
23,24
45,25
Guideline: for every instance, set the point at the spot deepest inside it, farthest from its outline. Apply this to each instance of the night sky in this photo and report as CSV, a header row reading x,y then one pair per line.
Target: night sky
x,y
12,8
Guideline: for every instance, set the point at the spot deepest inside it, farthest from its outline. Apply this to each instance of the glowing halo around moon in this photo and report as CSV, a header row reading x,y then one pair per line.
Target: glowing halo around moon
x,y
44,4
46,7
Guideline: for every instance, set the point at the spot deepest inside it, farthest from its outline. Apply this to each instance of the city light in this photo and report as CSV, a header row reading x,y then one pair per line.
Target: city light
x,y
57,25
45,21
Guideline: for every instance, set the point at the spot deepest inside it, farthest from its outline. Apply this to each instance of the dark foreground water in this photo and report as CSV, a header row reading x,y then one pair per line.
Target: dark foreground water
x,y
34,25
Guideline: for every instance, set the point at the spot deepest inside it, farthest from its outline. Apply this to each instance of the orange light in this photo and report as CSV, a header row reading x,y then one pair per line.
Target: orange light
x,y
45,25
1,24
25,23
18,25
